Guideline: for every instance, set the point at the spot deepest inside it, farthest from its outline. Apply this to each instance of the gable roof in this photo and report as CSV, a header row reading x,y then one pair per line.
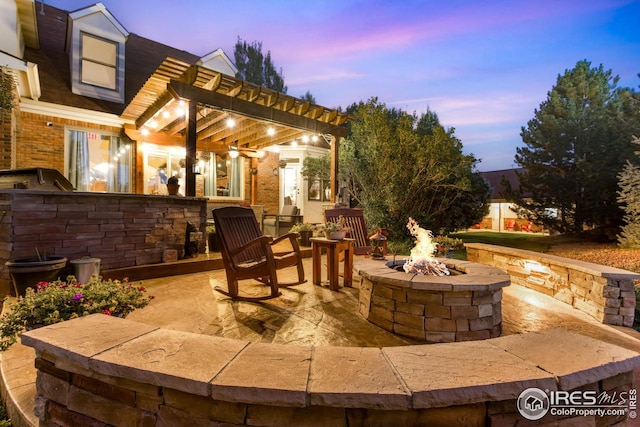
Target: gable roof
x,y
494,179
143,57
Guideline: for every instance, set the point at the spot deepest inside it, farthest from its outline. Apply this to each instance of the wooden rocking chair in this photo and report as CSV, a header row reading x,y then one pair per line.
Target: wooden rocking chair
x,y
354,220
248,254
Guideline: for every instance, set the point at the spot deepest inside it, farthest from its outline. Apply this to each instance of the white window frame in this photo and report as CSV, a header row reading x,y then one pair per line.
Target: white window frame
x,y
93,61
129,160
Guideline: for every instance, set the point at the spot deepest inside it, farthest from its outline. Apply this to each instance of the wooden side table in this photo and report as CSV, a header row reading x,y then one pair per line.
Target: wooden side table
x,y
334,248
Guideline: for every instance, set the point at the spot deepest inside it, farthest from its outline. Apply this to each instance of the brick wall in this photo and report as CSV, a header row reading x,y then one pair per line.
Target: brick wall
x,y
269,184
122,230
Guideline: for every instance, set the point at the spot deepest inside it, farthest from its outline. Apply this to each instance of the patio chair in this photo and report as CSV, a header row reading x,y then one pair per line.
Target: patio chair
x,y
248,254
279,224
354,220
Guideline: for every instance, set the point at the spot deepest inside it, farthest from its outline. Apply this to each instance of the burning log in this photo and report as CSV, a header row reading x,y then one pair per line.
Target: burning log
x,y
422,260
431,268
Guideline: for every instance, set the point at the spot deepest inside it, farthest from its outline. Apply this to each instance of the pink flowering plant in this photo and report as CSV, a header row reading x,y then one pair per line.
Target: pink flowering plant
x,y
53,302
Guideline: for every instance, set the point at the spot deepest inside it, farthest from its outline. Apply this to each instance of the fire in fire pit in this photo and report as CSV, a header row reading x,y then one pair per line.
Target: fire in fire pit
x,y
421,260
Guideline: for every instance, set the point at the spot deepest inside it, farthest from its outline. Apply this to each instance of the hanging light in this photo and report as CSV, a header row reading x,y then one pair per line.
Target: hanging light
x,y
233,152
230,122
271,131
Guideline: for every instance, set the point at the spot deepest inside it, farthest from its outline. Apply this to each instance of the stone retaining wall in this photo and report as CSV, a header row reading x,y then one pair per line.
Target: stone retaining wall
x,y
99,370
605,293
122,230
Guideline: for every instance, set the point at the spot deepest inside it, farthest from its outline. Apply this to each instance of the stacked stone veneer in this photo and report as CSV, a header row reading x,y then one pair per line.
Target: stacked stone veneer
x,y
99,370
605,293
462,307
122,230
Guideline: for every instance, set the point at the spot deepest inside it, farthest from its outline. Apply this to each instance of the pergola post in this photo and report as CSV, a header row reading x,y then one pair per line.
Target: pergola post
x,y
191,137
335,151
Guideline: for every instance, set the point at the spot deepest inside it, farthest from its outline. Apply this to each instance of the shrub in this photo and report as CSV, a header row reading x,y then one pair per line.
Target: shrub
x,y
53,302
302,226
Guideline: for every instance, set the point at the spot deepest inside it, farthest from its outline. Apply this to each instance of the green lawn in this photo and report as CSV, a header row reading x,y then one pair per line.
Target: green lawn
x,y
512,240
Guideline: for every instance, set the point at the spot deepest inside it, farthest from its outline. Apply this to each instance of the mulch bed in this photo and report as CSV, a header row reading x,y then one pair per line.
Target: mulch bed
x,y
600,253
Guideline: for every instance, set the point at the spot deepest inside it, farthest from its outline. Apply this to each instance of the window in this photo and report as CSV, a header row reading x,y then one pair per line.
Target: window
x,y
99,62
223,176
319,189
98,161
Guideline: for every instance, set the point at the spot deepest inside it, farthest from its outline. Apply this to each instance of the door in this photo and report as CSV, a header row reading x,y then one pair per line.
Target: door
x,y
289,186
159,165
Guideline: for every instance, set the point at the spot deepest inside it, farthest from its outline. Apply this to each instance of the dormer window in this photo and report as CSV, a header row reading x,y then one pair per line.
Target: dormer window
x,y
99,62
96,47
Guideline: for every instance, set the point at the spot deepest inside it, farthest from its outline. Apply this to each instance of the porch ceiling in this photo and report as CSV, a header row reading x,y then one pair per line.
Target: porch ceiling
x,y
219,97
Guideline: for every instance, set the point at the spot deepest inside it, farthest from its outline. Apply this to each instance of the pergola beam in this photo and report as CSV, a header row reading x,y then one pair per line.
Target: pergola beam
x,y
181,90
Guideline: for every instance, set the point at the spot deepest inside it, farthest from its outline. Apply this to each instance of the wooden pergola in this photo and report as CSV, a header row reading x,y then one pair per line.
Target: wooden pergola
x,y
191,105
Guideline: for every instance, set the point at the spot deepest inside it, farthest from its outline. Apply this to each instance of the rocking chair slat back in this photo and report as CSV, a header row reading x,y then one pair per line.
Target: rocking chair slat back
x,y
236,231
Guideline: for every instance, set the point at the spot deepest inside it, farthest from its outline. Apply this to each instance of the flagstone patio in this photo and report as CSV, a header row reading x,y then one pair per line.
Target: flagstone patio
x,y
305,315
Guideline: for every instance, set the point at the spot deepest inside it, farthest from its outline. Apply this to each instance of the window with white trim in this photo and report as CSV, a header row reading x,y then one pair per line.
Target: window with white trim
x,y
98,161
99,62
223,176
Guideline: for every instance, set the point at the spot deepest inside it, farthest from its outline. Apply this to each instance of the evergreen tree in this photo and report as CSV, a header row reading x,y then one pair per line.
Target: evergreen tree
x,y
7,85
629,198
308,97
399,165
255,67
575,147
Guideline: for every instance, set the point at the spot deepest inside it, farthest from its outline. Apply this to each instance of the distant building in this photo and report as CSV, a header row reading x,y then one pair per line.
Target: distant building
x,y
501,217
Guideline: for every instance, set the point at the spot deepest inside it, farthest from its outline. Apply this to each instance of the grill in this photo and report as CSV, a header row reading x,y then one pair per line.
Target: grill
x,y
34,179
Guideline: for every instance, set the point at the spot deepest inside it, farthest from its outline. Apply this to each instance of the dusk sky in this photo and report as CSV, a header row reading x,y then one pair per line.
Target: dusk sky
x,y
482,66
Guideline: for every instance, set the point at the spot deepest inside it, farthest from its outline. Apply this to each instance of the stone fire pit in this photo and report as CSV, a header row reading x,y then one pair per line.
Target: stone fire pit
x,y
464,306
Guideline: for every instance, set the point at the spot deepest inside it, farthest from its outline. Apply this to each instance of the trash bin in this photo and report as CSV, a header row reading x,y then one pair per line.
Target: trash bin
x,y
85,268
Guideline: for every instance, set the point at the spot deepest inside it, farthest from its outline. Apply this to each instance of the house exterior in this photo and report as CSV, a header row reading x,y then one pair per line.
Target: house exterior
x,y
501,216
118,113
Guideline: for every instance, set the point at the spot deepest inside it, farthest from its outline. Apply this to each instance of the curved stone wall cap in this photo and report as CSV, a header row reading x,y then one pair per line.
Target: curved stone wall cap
x,y
168,358
588,361
440,375
81,338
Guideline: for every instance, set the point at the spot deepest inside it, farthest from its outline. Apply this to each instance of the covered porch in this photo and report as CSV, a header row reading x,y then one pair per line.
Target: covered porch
x,y
221,122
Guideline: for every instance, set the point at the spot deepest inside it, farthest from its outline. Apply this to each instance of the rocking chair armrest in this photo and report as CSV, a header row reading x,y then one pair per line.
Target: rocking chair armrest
x,y
293,239
262,240
291,236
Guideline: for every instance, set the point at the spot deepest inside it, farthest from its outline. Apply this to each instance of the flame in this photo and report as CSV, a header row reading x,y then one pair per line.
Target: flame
x,y
422,260
425,247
